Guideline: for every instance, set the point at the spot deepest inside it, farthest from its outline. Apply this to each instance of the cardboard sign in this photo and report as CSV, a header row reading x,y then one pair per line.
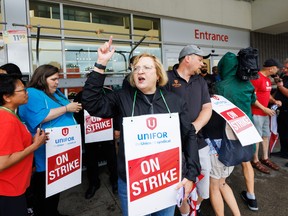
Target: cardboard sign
x,y
240,123
97,129
63,159
14,36
153,161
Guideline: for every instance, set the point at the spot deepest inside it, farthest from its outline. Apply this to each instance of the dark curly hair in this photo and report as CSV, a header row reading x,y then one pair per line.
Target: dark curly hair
x,y
7,85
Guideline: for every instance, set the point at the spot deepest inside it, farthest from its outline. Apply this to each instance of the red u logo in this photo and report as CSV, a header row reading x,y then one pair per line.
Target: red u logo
x,y
65,131
151,123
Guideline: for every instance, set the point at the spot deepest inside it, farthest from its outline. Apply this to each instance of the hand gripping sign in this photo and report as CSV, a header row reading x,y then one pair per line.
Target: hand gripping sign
x,y
63,159
153,161
237,119
97,129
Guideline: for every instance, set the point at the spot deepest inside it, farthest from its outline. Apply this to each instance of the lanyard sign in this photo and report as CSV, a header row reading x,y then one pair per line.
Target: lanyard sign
x,y
63,159
14,36
97,129
153,161
237,119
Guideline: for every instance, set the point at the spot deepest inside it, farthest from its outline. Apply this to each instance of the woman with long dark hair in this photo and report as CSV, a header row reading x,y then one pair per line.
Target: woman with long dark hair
x,y
47,107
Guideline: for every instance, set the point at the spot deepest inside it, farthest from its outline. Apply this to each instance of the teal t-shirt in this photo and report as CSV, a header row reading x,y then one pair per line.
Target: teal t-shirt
x,y
36,110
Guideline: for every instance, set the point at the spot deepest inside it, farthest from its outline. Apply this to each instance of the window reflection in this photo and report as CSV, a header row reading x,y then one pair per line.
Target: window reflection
x,y
146,26
45,14
93,27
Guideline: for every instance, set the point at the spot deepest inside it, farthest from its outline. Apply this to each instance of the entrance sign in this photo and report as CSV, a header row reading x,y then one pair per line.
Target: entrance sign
x,y
97,129
153,161
63,159
240,123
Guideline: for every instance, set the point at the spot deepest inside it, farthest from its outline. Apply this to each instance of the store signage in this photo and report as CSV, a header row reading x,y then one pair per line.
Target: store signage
x,y
179,32
14,36
210,36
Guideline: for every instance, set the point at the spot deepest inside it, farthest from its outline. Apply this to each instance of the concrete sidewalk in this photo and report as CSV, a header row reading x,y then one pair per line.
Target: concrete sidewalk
x,y
271,192
104,202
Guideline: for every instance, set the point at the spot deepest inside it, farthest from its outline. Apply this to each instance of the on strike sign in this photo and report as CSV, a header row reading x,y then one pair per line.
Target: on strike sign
x,y
97,129
63,159
63,164
153,161
240,123
153,173
238,120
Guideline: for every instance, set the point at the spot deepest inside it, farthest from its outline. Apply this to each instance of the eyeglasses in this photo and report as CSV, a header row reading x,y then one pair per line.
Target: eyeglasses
x,y
145,68
21,90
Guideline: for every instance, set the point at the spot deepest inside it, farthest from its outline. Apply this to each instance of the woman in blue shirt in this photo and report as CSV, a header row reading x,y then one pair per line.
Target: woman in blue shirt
x,y
47,107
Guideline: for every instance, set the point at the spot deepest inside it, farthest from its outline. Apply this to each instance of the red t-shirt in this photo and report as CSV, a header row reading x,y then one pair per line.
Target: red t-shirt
x,y
14,137
262,89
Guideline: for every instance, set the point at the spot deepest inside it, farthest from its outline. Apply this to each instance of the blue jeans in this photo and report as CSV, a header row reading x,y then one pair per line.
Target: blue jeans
x,y
122,192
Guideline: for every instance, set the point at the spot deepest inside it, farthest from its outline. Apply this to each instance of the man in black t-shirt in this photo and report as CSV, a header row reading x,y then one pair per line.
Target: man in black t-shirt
x,y
204,73
282,120
185,82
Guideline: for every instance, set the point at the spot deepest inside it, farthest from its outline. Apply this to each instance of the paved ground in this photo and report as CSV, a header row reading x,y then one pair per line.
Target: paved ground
x,y
271,191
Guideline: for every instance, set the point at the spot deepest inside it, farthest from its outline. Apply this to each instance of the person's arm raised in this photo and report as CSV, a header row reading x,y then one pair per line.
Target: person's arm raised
x,y
105,52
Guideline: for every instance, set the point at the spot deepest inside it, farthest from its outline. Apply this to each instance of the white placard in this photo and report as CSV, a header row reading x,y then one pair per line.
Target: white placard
x,y
153,161
237,119
63,159
97,129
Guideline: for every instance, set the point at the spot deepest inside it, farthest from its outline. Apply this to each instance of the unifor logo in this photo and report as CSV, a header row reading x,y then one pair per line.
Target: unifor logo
x,y
215,97
151,123
65,131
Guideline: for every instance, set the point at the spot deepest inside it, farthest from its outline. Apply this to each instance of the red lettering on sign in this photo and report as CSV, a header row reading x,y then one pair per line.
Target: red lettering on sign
x,y
95,124
237,119
210,36
63,164
153,173
232,113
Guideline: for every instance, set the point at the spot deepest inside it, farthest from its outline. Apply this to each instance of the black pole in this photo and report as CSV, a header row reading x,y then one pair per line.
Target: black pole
x,y
37,44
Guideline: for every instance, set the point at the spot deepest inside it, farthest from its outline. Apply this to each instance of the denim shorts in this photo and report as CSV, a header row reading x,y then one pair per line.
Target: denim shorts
x,y
262,125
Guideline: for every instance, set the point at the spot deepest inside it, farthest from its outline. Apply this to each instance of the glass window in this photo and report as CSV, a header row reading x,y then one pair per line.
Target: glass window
x,y
44,14
104,17
83,56
76,14
93,27
44,10
146,26
99,23
49,53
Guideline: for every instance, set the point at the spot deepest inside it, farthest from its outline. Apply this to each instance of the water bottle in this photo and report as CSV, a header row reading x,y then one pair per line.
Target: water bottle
x,y
275,108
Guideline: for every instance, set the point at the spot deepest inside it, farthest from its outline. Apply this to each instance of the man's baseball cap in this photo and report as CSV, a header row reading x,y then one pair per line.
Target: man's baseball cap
x,y
192,49
272,62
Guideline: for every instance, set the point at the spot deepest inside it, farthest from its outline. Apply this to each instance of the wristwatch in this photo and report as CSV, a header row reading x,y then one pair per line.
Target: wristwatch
x,y
100,66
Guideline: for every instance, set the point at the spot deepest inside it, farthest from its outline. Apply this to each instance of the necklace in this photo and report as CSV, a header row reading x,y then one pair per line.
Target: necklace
x,y
11,111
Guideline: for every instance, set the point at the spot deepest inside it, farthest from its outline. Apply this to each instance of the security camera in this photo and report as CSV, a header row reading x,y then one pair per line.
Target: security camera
x,y
213,51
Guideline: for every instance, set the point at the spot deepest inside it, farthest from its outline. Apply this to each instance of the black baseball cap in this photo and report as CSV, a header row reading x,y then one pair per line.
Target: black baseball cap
x,y
272,62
